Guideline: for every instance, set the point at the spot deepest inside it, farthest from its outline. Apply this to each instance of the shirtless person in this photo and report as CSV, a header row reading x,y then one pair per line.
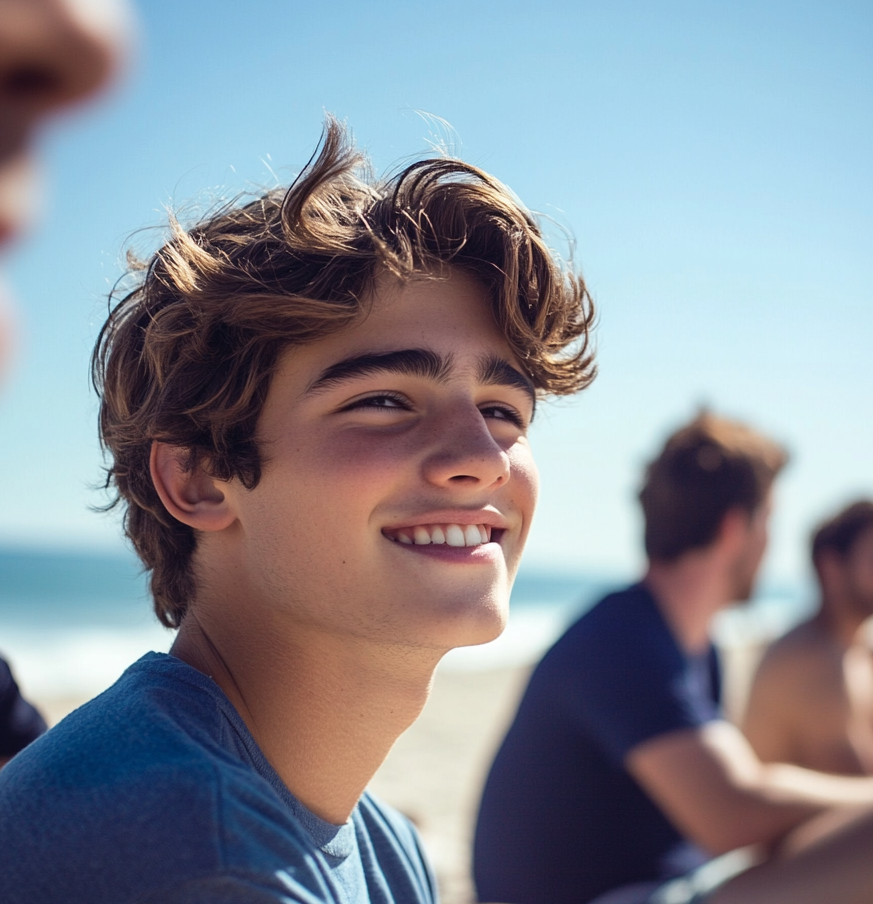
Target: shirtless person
x,y
811,702
316,410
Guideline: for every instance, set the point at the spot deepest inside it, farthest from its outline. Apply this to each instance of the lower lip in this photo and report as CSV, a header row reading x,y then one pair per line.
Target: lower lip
x,y
482,554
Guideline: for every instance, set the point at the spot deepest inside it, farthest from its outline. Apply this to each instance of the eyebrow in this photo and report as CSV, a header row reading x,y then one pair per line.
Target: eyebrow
x,y
412,362
494,371
421,362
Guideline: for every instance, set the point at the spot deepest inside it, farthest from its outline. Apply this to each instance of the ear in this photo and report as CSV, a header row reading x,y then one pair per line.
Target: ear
x,y
734,529
193,497
830,568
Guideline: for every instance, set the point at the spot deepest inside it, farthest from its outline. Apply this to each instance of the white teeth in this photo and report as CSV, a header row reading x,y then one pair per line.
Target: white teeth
x,y
472,535
439,534
455,535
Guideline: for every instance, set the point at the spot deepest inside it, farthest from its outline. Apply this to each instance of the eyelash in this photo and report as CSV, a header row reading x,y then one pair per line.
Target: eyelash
x,y
507,414
401,403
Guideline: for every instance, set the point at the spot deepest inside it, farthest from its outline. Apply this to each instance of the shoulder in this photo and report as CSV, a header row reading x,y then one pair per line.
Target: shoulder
x,y
621,635
624,617
794,660
130,785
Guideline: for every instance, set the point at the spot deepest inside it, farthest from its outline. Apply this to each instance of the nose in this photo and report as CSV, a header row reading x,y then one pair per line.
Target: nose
x,y
56,52
464,453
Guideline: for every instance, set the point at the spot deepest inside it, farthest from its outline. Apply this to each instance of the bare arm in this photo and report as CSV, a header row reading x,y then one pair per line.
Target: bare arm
x,y
717,792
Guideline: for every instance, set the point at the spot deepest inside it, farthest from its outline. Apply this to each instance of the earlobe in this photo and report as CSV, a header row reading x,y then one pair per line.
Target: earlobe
x,y
734,527
195,497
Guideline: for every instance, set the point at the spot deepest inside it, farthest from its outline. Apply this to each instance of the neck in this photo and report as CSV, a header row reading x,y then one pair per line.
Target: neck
x,y
839,619
689,592
324,714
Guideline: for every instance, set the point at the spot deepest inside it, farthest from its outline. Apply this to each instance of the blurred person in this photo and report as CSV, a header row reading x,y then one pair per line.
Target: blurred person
x,y
619,780
316,409
20,721
53,54
811,702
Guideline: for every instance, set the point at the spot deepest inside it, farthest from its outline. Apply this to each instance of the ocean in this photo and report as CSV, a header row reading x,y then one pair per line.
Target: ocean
x,y
71,622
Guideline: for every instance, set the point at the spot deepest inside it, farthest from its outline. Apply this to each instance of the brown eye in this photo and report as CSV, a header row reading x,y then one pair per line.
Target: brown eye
x,y
385,401
503,413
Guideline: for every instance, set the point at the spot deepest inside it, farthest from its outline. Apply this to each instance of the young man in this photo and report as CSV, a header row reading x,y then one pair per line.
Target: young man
x,y
316,407
619,777
53,53
811,702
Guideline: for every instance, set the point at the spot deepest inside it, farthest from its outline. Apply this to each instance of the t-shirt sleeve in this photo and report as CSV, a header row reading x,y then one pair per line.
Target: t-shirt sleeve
x,y
631,685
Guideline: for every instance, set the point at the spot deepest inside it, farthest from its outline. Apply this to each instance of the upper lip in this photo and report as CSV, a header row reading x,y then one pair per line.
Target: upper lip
x,y
487,516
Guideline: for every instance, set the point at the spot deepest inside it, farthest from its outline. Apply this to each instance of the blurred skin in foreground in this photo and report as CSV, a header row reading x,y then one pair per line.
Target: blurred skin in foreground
x,y
53,55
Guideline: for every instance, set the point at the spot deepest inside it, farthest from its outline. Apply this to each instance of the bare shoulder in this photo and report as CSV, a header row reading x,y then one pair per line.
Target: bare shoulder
x,y
796,676
796,656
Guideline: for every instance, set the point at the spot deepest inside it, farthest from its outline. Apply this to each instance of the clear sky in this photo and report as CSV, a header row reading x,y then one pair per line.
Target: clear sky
x,y
714,162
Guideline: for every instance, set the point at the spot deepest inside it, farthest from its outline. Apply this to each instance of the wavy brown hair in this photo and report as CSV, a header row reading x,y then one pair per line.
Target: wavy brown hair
x,y
840,533
706,468
187,356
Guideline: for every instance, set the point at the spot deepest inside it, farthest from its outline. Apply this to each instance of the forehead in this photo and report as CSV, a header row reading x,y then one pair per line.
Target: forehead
x,y
450,315
454,306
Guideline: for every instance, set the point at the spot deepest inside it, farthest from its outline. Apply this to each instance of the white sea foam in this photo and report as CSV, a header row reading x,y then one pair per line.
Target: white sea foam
x,y
76,662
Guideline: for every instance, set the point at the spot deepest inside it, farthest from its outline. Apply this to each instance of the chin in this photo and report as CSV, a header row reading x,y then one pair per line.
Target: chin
x,y
471,626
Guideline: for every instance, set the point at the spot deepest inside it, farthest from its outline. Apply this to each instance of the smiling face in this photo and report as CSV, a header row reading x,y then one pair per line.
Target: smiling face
x,y
398,484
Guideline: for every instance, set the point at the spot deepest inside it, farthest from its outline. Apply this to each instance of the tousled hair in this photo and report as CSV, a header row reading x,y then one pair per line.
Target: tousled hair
x,y
840,533
187,357
705,469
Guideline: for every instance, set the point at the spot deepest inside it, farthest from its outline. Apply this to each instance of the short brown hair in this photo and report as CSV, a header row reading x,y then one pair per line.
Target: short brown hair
x,y
705,469
840,533
187,356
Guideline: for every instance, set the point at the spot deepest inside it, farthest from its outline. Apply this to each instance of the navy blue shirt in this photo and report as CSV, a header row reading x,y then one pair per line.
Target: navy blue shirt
x,y
20,723
156,793
561,818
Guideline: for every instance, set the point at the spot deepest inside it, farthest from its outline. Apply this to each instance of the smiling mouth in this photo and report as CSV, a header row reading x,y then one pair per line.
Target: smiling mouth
x,y
443,534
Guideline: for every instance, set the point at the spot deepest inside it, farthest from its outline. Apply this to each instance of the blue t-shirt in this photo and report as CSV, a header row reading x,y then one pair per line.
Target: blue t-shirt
x,y
156,793
561,819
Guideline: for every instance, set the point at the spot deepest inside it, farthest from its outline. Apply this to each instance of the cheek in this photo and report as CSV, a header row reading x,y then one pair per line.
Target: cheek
x,y
525,480
352,457
865,576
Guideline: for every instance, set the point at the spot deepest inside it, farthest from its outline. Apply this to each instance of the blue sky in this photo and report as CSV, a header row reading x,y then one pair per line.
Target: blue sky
x,y
713,161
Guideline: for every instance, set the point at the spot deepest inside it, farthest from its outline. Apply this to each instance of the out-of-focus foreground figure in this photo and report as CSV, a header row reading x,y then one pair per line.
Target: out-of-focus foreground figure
x,y
812,699
53,53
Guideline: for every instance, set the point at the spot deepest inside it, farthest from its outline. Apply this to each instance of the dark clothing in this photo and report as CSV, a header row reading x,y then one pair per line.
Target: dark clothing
x,y
155,792
20,723
561,819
